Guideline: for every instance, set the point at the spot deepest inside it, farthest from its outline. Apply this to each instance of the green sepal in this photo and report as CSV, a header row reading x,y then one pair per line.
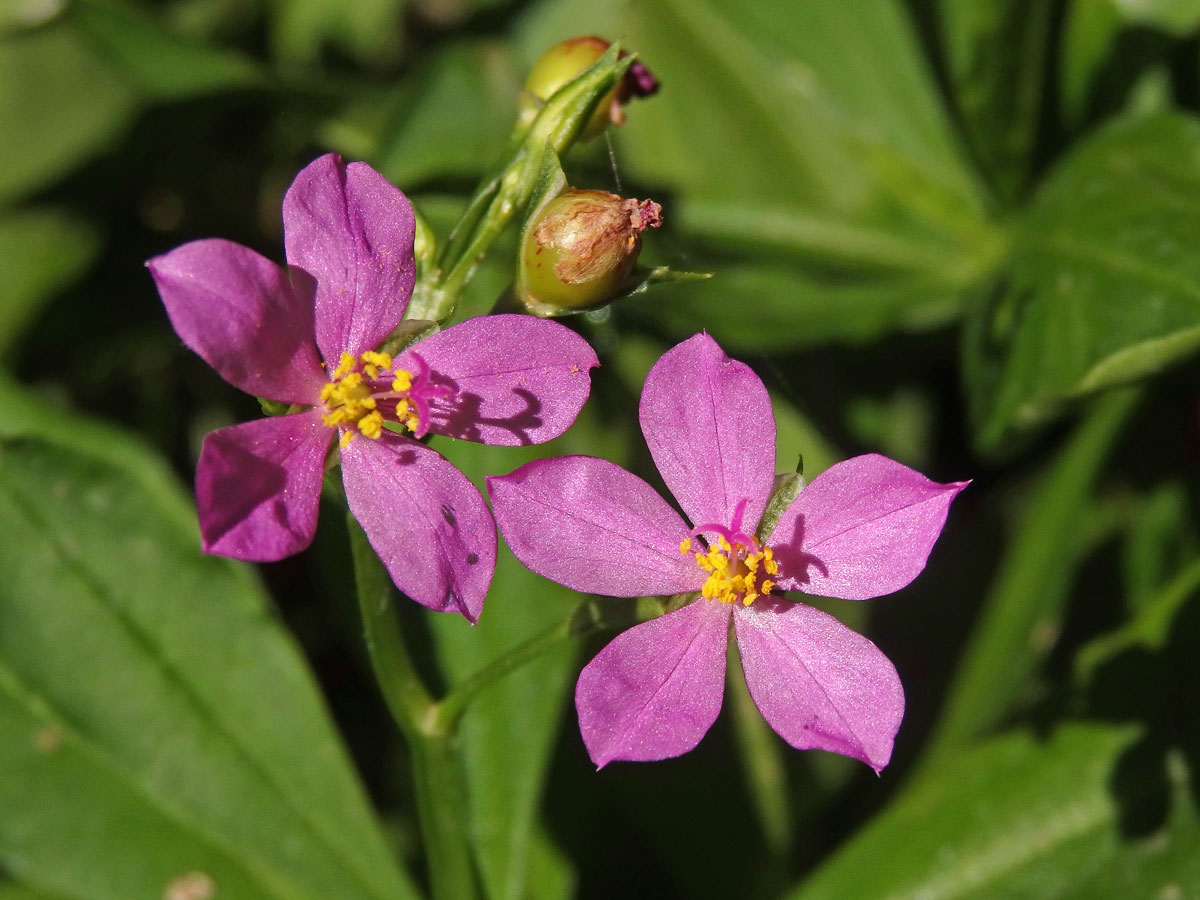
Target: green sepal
x,y
407,333
551,182
787,488
273,407
678,601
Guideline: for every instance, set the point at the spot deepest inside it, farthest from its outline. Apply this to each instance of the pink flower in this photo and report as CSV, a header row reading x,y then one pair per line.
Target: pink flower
x,y
306,335
862,529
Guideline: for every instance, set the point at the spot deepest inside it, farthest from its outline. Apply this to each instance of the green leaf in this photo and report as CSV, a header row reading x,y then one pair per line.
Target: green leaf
x,y
18,892
163,65
1177,17
1016,818
60,103
1150,626
1110,58
44,250
1104,283
997,55
1023,610
814,131
770,304
156,722
369,30
1157,539
449,118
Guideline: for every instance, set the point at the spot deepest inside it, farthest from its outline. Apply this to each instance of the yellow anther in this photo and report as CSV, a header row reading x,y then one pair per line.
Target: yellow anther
x,y
733,573
685,545
345,364
351,398
371,425
374,358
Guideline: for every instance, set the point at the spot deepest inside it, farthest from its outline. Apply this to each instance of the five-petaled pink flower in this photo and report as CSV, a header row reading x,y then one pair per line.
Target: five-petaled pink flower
x,y
307,336
861,529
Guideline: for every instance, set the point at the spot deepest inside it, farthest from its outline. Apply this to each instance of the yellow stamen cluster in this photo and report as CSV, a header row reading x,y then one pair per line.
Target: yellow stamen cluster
x,y
734,576
350,399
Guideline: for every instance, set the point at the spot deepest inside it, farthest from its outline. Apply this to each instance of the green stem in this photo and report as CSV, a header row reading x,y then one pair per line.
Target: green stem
x,y
589,616
440,788
442,810
403,690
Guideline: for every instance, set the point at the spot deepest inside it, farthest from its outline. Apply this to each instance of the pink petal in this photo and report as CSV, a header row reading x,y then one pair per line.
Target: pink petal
x,y
425,519
862,529
709,425
515,379
350,232
258,486
655,690
236,310
817,683
594,527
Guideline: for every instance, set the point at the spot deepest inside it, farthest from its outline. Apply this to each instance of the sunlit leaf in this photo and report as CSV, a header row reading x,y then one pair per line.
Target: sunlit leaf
x,y
158,725
1000,95
1016,818
1104,284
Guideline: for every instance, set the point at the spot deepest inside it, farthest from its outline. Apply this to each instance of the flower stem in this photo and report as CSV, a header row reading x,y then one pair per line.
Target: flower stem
x,y
440,788
589,616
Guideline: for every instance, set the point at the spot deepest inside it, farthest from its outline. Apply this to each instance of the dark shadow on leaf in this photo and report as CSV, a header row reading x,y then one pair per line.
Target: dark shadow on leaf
x,y
1158,689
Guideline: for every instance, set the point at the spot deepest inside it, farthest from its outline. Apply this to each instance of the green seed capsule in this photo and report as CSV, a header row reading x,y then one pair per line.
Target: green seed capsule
x,y
582,247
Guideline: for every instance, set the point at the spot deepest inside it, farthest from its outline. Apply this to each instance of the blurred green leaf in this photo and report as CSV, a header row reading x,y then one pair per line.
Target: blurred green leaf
x,y
43,250
1157,540
1114,52
806,145
18,892
1089,36
368,30
1149,627
60,103
1022,613
1104,285
449,118
1177,17
509,731
1017,818
999,92
769,304
162,64
157,722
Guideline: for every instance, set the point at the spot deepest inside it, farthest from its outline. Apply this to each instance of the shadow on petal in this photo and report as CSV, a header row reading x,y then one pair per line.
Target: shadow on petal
x,y
460,414
795,565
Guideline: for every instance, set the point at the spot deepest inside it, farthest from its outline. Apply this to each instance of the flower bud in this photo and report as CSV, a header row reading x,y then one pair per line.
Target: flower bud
x,y
564,61
581,248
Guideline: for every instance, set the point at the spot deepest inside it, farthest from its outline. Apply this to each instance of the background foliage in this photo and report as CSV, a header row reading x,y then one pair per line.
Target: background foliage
x,y
964,234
